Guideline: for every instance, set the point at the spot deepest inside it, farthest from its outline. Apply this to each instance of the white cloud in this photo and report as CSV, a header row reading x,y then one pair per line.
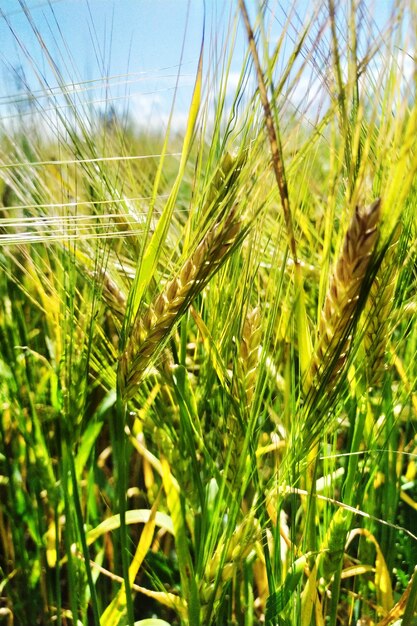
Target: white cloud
x,y
151,112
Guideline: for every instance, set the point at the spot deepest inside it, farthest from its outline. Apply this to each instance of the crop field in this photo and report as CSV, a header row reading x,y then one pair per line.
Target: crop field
x,y
208,337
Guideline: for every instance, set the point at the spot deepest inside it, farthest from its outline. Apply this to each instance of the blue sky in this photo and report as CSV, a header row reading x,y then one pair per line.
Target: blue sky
x,y
135,44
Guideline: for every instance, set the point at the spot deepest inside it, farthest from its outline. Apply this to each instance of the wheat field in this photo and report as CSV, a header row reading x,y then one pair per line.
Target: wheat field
x,y
208,339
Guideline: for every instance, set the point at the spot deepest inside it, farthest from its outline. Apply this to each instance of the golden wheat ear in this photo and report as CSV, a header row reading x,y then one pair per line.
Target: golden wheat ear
x,y
152,328
342,297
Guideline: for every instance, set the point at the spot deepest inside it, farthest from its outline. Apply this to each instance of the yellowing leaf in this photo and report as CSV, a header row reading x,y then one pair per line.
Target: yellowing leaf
x,y
406,498
383,585
134,516
117,607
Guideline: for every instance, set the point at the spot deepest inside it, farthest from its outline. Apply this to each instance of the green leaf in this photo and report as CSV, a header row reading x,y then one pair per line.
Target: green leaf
x,y
278,600
146,268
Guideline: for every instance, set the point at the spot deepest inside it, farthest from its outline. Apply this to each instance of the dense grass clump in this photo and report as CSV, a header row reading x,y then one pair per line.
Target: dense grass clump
x,y
208,342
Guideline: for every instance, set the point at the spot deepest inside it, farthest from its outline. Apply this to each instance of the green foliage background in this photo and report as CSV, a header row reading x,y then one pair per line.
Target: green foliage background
x,y
219,481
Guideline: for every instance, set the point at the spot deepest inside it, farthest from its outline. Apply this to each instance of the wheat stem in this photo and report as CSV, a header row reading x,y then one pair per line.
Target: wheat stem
x,y
273,136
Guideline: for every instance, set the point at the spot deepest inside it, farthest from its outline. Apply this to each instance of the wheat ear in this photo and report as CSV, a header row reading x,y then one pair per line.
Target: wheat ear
x,y
379,307
112,295
244,387
342,297
154,326
234,550
248,358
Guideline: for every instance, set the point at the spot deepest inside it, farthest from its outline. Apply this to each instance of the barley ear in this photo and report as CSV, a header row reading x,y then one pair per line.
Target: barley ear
x,y
112,295
248,357
378,309
244,387
152,327
341,301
